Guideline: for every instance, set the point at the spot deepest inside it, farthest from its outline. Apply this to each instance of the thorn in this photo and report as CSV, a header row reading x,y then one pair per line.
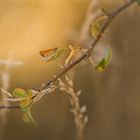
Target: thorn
x,y
49,82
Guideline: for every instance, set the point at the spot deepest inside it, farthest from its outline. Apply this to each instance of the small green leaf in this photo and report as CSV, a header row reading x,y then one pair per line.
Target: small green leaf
x,y
60,51
138,1
95,29
30,93
27,117
96,25
25,103
19,93
105,61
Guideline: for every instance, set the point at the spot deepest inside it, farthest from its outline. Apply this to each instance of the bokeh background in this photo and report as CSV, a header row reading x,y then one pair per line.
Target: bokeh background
x,y
112,97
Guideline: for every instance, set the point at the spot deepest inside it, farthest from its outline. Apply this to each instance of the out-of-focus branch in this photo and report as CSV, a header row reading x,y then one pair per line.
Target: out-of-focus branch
x,y
5,82
10,107
79,113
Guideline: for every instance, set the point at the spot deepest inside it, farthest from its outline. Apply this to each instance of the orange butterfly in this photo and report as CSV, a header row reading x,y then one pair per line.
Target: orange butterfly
x,y
47,52
52,53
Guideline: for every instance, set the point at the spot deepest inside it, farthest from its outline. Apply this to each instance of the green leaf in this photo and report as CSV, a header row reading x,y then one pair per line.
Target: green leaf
x,y
25,103
27,100
19,93
95,29
56,54
138,1
96,25
105,61
27,117
30,93
60,51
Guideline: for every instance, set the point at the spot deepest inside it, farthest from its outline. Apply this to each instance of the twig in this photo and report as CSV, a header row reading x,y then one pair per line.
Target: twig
x,y
111,17
10,107
79,113
84,56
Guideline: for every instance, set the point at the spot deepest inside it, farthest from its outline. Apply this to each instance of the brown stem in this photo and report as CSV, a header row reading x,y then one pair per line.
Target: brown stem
x,y
111,17
10,107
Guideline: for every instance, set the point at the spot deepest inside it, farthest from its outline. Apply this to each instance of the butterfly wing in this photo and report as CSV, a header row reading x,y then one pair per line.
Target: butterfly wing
x,y
48,54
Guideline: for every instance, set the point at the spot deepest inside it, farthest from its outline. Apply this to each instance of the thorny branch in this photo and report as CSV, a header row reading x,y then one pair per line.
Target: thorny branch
x,y
84,56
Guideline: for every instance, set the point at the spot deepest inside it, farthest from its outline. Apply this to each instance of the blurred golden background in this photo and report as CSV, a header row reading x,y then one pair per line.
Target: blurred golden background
x,y
112,97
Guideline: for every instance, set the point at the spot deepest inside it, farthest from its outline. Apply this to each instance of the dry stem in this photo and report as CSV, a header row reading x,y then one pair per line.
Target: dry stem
x,y
84,56
111,17
80,118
